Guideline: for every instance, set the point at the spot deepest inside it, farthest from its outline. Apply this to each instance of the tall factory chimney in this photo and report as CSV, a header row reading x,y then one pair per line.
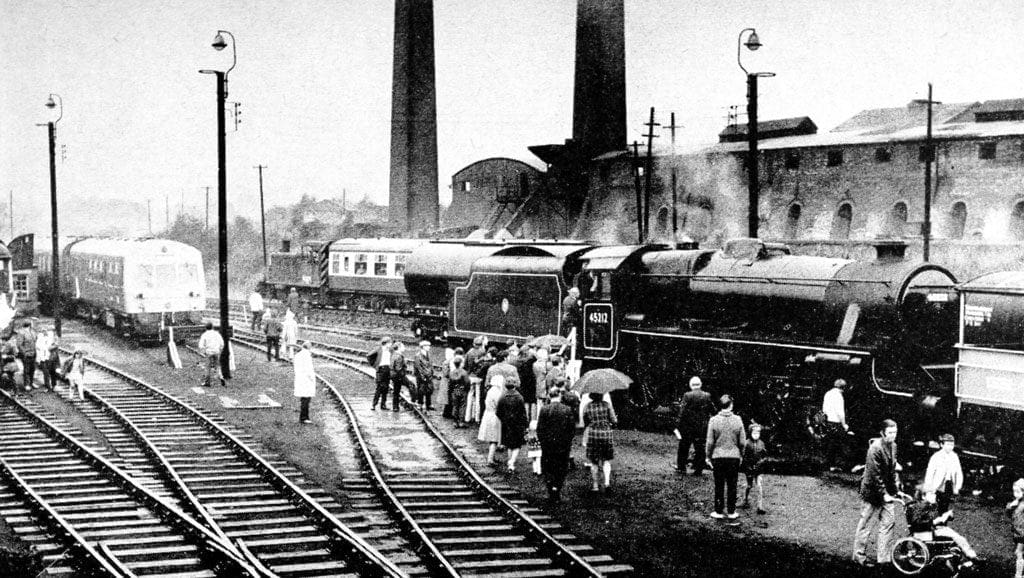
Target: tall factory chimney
x,y
599,102
413,199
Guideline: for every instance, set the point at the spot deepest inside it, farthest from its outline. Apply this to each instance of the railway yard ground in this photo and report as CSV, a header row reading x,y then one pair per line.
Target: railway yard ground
x,y
653,518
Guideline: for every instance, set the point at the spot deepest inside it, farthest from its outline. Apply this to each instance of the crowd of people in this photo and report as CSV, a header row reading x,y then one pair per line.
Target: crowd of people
x,y
27,351
516,397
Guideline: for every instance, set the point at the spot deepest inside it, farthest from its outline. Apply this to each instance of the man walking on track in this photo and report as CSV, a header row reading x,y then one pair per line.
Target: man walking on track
x,y
398,377
381,359
273,331
211,345
424,371
256,308
878,491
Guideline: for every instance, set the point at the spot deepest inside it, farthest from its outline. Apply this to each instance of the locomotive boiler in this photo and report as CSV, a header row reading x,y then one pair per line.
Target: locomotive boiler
x,y
775,330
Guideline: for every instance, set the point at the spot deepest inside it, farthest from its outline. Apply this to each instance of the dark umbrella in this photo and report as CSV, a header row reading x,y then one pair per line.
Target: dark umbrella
x,y
602,380
549,341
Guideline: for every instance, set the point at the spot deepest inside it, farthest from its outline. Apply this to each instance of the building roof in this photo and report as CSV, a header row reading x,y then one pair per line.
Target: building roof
x,y
770,129
1004,105
887,120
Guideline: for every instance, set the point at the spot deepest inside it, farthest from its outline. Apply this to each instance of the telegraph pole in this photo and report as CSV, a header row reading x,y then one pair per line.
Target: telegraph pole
x,y
639,194
675,210
647,175
926,227
263,217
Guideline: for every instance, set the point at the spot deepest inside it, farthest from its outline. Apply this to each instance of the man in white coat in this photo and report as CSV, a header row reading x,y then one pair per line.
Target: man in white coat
x,y
305,380
290,335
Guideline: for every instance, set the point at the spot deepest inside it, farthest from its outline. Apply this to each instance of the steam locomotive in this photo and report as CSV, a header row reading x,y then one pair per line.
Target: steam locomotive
x,y
776,329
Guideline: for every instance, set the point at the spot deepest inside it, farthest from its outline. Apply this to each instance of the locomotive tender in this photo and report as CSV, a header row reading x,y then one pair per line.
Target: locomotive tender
x,y
140,287
506,290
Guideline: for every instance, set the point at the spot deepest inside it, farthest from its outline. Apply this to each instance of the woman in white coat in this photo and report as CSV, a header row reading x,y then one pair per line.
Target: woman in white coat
x,y
305,381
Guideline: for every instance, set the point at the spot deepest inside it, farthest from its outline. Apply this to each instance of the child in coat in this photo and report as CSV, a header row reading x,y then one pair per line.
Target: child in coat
x,y
75,374
754,455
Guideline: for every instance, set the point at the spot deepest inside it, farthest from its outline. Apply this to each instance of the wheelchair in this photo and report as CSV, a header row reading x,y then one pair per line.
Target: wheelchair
x,y
911,555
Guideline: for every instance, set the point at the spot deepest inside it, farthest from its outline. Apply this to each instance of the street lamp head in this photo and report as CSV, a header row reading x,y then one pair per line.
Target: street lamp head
x,y
753,42
218,42
50,103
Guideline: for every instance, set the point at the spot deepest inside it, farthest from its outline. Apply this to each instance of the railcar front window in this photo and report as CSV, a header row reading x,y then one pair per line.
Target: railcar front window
x,y
993,321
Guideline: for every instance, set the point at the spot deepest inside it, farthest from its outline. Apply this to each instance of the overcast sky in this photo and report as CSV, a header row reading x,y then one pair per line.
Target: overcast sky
x,y
313,79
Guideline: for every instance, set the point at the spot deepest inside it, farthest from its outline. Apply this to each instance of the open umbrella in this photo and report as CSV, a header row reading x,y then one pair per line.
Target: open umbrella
x,y
549,341
602,380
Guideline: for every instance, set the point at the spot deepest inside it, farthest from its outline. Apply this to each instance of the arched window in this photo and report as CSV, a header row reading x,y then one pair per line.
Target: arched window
x,y
898,219
1017,221
662,221
957,220
841,222
793,221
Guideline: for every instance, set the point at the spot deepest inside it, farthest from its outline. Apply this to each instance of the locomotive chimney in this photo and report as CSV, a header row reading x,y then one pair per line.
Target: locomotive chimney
x,y
890,250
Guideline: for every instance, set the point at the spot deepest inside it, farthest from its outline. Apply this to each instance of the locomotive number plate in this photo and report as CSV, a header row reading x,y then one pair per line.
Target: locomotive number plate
x,y
597,326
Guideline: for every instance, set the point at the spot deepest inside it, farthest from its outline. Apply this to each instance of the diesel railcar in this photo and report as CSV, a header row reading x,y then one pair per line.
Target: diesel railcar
x,y
138,287
775,330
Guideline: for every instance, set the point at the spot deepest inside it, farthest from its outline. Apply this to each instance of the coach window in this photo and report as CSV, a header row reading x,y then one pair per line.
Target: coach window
x,y
380,266
841,223
793,221
336,263
361,264
957,220
400,265
1017,221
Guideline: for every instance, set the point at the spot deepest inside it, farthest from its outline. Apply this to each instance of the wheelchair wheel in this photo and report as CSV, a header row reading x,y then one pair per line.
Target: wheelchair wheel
x,y
910,555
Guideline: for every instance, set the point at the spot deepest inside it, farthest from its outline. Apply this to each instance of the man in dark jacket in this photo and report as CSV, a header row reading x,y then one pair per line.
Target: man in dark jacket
x,y
424,371
571,311
398,376
381,360
511,412
556,427
273,330
26,338
878,490
692,427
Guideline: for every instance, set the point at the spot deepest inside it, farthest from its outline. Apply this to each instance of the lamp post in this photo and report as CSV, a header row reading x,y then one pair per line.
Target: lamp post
x,y
52,129
222,196
752,43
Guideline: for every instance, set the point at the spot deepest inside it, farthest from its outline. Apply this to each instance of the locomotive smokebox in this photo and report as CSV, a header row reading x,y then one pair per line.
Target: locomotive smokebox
x,y
890,250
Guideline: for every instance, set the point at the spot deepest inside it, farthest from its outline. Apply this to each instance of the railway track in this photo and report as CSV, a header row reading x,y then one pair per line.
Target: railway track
x,y
254,508
463,524
364,324
86,516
